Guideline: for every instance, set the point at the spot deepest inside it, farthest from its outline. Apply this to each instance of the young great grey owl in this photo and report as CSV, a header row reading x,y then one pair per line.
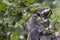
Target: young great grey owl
x,y
36,28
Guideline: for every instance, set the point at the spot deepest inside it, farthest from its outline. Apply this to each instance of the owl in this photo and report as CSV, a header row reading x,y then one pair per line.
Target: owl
x,y
37,30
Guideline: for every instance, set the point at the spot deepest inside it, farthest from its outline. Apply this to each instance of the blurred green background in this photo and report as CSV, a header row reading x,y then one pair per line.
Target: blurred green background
x,y
15,13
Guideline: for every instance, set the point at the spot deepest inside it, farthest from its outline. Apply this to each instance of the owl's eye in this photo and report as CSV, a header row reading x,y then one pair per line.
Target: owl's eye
x,y
38,14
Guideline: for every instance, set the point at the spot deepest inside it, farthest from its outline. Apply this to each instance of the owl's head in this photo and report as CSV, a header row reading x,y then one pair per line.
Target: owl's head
x,y
43,13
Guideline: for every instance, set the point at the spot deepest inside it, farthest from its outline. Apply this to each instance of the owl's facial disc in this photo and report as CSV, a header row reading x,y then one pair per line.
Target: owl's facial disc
x,y
43,13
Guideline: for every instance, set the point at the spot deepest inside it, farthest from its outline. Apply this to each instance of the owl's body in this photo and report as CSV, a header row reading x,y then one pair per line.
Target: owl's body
x,y
35,30
33,33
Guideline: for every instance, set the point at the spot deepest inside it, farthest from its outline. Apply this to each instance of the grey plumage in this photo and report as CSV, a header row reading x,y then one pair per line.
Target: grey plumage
x,y
35,30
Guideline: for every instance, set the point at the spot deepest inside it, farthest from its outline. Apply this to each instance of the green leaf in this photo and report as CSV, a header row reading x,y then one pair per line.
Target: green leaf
x,y
2,6
32,8
14,36
9,0
27,2
22,20
52,17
